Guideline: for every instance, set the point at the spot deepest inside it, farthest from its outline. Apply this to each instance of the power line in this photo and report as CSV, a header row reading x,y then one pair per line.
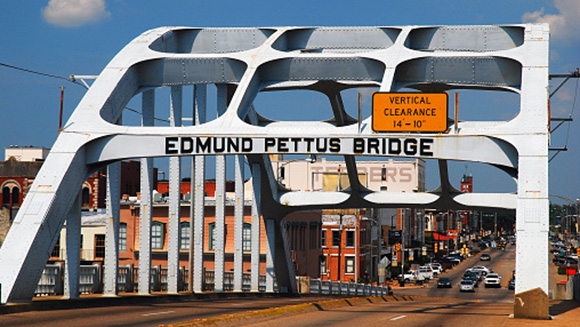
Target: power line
x,y
42,74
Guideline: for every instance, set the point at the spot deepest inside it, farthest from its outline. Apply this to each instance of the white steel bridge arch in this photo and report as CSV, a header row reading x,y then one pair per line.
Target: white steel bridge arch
x,y
245,61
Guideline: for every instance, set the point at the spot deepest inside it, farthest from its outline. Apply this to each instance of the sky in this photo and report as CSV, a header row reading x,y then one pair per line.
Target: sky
x,y
64,37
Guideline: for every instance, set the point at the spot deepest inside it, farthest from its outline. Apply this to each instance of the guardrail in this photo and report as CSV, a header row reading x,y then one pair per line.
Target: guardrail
x,y
318,286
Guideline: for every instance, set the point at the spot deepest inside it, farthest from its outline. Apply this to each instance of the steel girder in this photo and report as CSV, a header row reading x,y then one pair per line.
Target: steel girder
x,y
510,58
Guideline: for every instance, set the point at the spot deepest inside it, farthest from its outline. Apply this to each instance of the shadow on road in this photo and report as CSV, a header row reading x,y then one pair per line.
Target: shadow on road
x,y
561,306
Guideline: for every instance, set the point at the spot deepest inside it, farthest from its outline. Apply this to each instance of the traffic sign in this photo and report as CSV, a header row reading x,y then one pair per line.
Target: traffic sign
x,y
409,112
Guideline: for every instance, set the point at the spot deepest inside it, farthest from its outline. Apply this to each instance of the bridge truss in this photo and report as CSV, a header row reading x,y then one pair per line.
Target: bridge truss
x,y
241,63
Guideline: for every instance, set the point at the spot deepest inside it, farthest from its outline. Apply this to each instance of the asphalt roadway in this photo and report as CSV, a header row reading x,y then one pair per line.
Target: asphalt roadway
x,y
410,306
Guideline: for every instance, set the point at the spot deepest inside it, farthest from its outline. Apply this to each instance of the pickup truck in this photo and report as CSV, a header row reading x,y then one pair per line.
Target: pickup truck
x,y
413,275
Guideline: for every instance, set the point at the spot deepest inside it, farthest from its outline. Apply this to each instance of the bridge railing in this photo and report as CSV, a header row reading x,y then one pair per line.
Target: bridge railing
x,y
91,282
318,286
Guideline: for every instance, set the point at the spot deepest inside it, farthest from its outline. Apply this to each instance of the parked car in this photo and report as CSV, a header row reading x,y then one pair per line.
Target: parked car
x,y
466,286
444,282
492,280
512,284
437,268
485,257
452,260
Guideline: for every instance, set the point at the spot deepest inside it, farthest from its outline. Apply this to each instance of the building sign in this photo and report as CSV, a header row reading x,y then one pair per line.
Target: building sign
x,y
347,220
395,234
409,112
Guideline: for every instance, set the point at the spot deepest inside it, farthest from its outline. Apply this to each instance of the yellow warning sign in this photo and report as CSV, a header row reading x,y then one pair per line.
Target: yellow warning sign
x,y
409,112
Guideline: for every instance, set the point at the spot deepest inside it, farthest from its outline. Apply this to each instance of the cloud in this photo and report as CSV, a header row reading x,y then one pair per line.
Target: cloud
x,y
74,13
563,25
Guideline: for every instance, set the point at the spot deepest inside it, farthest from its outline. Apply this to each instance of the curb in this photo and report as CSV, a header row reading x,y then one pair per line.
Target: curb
x,y
272,313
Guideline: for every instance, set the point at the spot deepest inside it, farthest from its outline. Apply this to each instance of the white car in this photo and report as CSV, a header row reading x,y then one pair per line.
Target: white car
x,y
437,268
492,280
466,286
484,270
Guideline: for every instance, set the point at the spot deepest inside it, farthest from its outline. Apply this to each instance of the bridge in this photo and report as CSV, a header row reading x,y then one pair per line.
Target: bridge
x,y
241,63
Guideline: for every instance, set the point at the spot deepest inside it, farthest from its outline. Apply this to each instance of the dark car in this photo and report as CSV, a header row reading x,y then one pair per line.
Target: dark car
x,y
444,282
512,284
472,277
485,257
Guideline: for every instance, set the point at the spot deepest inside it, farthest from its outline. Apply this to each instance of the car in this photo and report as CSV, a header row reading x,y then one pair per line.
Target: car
x,y
492,280
444,282
452,260
484,269
466,286
485,257
471,276
512,284
436,267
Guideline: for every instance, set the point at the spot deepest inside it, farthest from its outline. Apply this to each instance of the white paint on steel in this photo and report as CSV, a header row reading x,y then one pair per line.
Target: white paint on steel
x,y
73,250
112,229
511,58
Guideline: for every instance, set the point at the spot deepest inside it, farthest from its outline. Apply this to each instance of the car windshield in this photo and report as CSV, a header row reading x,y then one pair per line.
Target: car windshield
x,y
444,279
465,282
493,276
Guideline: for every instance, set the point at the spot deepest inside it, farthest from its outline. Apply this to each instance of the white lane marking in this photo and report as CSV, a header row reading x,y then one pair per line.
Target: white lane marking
x,y
157,313
240,304
399,317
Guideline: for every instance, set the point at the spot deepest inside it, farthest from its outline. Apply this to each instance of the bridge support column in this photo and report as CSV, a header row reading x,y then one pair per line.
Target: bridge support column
x,y
285,273
220,201
146,210
239,224
197,209
270,254
256,221
532,224
112,233
73,250
174,198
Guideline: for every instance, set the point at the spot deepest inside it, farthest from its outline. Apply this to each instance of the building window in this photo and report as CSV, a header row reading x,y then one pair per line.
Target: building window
x,y
247,237
15,196
86,196
184,234
212,236
156,235
349,265
122,237
99,246
323,238
335,238
323,264
350,238
302,236
313,233
56,249
5,196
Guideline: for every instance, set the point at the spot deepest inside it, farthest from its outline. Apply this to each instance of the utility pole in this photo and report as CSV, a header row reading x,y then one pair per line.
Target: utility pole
x,y
340,248
403,241
61,104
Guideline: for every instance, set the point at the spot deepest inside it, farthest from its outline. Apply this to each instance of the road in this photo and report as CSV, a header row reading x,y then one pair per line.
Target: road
x,y
148,314
502,262
426,306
